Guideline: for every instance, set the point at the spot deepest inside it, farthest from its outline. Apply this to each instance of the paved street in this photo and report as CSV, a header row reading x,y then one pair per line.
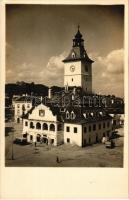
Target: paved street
x,y
69,156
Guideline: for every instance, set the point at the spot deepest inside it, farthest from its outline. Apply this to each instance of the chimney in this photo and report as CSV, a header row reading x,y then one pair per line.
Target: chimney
x,y
41,98
73,97
74,90
49,93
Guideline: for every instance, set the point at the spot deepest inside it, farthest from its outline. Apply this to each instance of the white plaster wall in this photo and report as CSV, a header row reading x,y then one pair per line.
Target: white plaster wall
x,y
58,136
48,114
76,75
75,138
76,80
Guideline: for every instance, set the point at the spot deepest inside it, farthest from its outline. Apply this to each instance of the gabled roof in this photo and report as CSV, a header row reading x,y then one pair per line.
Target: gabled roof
x,y
23,99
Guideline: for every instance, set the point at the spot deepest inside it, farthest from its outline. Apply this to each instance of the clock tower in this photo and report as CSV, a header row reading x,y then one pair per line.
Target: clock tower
x,y
78,66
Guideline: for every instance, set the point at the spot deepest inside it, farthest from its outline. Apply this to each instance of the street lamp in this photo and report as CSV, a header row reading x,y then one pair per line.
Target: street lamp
x,y
12,144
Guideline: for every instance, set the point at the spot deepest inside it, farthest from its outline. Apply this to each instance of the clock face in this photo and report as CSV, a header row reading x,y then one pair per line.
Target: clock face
x,y
72,68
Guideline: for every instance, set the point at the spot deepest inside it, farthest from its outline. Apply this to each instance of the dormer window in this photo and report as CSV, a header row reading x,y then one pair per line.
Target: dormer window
x,y
101,113
92,114
84,115
72,115
67,115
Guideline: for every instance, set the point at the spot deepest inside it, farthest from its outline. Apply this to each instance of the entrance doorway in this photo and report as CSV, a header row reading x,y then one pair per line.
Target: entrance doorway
x,y
18,120
44,140
52,141
97,139
84,144
38,137
89,141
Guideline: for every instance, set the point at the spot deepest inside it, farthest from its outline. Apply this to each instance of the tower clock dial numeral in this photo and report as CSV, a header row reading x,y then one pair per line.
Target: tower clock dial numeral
x,y
72,68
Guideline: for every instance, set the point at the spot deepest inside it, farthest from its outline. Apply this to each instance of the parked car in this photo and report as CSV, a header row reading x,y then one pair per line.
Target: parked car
x,y
20,140
110,144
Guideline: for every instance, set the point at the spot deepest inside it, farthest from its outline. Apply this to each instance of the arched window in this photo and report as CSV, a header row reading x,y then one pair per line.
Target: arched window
x,y
45,126
38,125
31,125
52,127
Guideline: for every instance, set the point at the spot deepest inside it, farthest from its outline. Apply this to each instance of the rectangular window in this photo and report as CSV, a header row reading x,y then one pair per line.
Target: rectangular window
x,y
26,123
75,129
94,127
31,137
85,129
68,140
99,126
18,106
89,128
67,129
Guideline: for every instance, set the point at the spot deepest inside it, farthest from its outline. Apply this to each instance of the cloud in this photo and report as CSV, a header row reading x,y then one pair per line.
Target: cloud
x,y
54,71
108,73
51,74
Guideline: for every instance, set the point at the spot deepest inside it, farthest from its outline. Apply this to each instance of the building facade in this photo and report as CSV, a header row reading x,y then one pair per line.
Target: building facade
x,y
86,128
21,106
42,124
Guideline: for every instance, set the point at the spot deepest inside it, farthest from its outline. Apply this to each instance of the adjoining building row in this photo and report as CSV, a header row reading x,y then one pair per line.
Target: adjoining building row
x,y
48,125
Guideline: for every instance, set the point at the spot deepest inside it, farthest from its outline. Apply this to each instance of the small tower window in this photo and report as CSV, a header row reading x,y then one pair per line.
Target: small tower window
x,y
72,79
86,68
73,54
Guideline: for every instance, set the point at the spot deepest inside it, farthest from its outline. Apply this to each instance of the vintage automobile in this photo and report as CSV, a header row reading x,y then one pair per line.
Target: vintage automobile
x,y
20,140
110,144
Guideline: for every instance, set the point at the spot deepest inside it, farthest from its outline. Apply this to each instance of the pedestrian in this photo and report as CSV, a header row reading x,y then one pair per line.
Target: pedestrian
x,y
57,159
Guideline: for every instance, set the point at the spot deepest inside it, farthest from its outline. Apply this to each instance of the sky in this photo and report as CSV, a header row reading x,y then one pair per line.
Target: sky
x,y
39,37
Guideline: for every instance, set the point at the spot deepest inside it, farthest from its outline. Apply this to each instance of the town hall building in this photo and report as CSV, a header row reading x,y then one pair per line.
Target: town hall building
x,y
70,124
